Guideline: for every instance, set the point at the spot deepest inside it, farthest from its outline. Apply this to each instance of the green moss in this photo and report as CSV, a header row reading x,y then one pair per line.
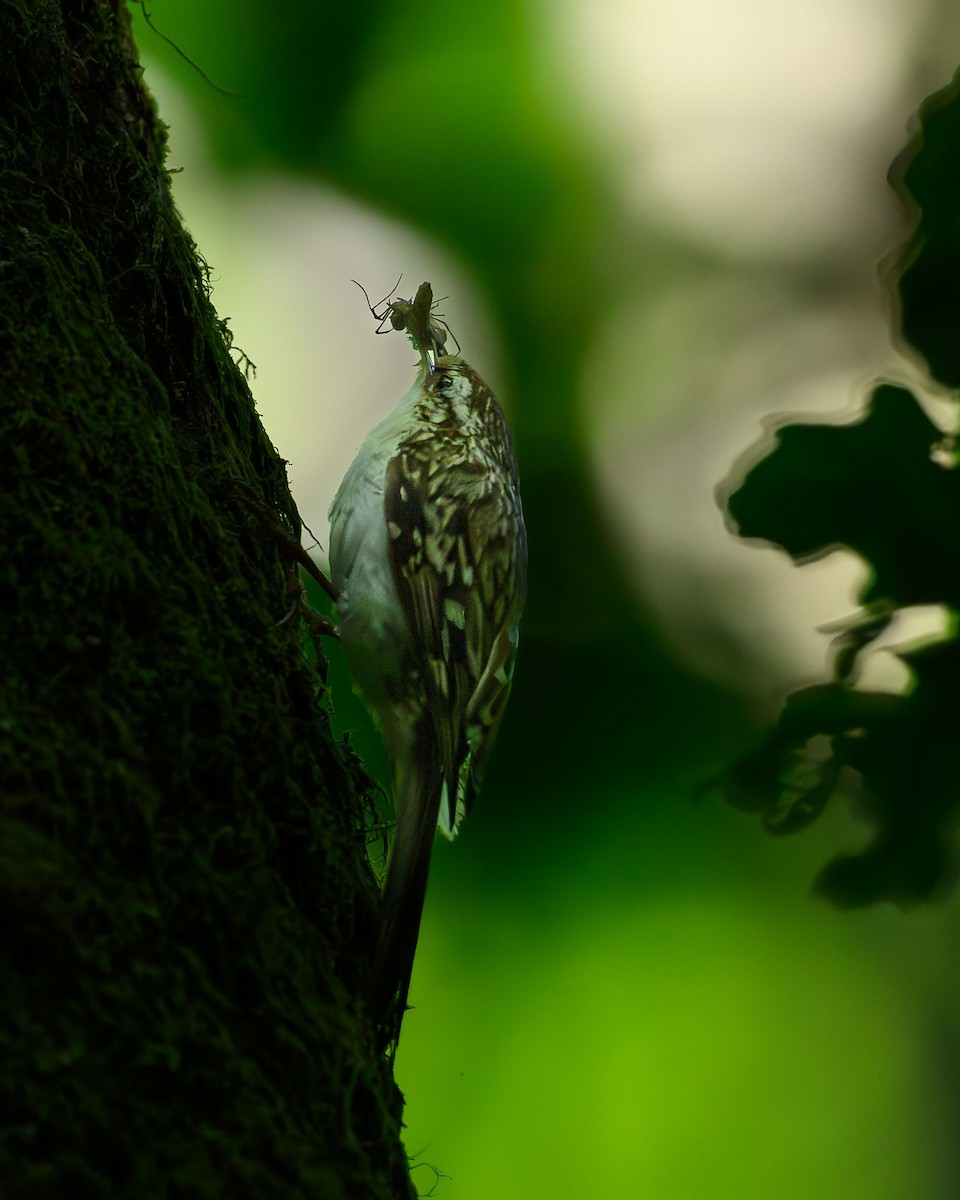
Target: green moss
x,y
183,880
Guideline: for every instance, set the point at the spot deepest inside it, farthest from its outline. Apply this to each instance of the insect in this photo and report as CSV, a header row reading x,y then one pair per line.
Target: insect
x,y
428,332
428,552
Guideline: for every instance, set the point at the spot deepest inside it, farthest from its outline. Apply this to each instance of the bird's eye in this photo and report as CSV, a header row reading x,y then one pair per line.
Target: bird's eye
x,y
444,383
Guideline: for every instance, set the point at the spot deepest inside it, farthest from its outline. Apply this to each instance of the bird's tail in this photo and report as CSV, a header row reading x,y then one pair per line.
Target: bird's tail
x,y
417,798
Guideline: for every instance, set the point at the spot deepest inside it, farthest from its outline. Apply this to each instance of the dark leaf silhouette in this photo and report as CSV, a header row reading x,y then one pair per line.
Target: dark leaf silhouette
x,y
927,175
886,488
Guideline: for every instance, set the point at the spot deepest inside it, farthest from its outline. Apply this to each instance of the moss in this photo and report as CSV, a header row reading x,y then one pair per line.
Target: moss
x,y
183,880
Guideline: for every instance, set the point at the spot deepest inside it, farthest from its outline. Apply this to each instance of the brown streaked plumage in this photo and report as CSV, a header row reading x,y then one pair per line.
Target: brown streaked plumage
x,y
428,549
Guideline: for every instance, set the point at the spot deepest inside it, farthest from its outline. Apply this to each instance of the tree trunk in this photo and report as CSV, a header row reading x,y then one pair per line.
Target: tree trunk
x,y
187,909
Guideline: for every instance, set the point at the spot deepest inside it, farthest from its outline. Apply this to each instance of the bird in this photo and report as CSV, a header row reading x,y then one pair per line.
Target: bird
x,y
428,555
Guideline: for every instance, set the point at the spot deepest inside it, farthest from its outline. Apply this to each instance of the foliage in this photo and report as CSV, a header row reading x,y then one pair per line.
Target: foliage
x,y
886,488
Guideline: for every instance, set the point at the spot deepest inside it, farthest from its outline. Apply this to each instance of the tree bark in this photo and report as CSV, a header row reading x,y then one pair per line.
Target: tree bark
x,y
186,906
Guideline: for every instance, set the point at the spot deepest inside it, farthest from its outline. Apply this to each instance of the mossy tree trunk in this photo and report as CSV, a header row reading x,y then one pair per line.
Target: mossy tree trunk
x,y
185,903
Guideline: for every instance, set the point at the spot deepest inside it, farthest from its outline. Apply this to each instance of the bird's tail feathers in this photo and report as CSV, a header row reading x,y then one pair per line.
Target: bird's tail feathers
x,y
417,797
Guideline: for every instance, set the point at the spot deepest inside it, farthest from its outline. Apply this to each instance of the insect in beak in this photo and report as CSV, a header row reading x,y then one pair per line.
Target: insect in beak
x,y
427,332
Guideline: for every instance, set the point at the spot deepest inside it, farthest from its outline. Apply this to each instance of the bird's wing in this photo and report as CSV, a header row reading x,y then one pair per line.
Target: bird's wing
x,y
455,557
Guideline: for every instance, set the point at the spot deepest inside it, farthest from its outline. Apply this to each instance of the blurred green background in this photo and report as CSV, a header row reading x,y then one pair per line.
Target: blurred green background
x,y
655,224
